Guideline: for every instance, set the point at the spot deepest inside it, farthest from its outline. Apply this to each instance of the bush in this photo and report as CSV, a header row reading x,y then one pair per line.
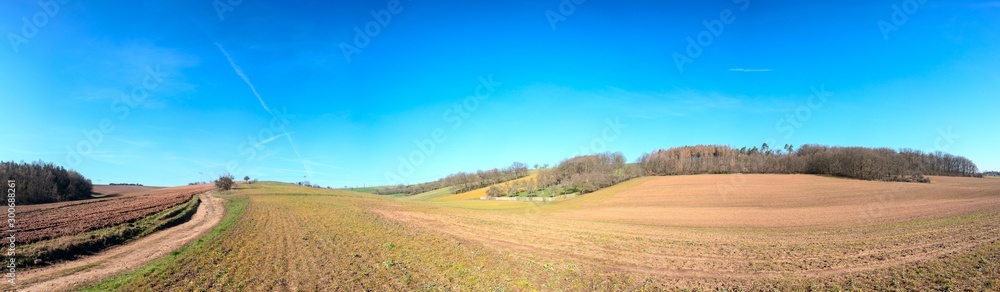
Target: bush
x,y
225,182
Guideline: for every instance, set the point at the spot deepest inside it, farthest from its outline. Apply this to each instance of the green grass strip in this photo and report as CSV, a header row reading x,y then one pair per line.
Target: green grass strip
x,y
234,208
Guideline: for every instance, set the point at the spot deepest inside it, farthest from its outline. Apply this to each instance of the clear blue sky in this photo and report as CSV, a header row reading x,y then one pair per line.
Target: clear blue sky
x,y
170,92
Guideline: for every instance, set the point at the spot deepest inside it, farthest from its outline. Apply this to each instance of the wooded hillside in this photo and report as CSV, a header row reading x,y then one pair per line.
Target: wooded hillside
x,y
853,162
40,182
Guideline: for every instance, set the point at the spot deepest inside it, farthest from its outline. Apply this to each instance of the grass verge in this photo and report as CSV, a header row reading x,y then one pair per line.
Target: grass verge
x,y
234,208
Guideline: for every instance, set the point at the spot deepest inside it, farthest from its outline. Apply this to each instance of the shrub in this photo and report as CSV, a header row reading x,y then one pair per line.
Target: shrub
x,y
225,182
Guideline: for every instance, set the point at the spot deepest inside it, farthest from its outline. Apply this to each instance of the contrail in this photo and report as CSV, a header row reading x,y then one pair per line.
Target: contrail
x,y
244,77
269,140
308,170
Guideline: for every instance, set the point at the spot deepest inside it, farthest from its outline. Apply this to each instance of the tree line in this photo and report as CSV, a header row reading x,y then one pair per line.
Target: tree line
x,y
581,174
124,184
462,181
588,173
40,182
851,162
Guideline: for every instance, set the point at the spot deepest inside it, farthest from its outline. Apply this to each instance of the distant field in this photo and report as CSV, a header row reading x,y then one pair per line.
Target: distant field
x,y
785,232
480,192
368,190
109,190
431,195
467,200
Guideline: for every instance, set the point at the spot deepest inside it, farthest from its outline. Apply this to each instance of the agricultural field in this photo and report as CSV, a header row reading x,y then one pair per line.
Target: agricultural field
x,y
45,221
139,243
109,190
788,232
477,193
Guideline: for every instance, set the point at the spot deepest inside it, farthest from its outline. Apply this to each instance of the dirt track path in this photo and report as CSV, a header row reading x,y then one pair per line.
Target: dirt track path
x,y
71,275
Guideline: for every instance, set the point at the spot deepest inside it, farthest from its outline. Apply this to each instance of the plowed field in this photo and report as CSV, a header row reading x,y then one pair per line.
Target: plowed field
x,y
40,222
710,228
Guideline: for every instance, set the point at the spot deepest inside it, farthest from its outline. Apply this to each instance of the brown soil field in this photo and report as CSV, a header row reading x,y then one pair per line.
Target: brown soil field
x,y
703,230
109,190
776,201
44,221
70,275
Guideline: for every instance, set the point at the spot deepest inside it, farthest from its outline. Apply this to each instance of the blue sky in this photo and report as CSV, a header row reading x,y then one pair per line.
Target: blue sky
x,y
170,92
